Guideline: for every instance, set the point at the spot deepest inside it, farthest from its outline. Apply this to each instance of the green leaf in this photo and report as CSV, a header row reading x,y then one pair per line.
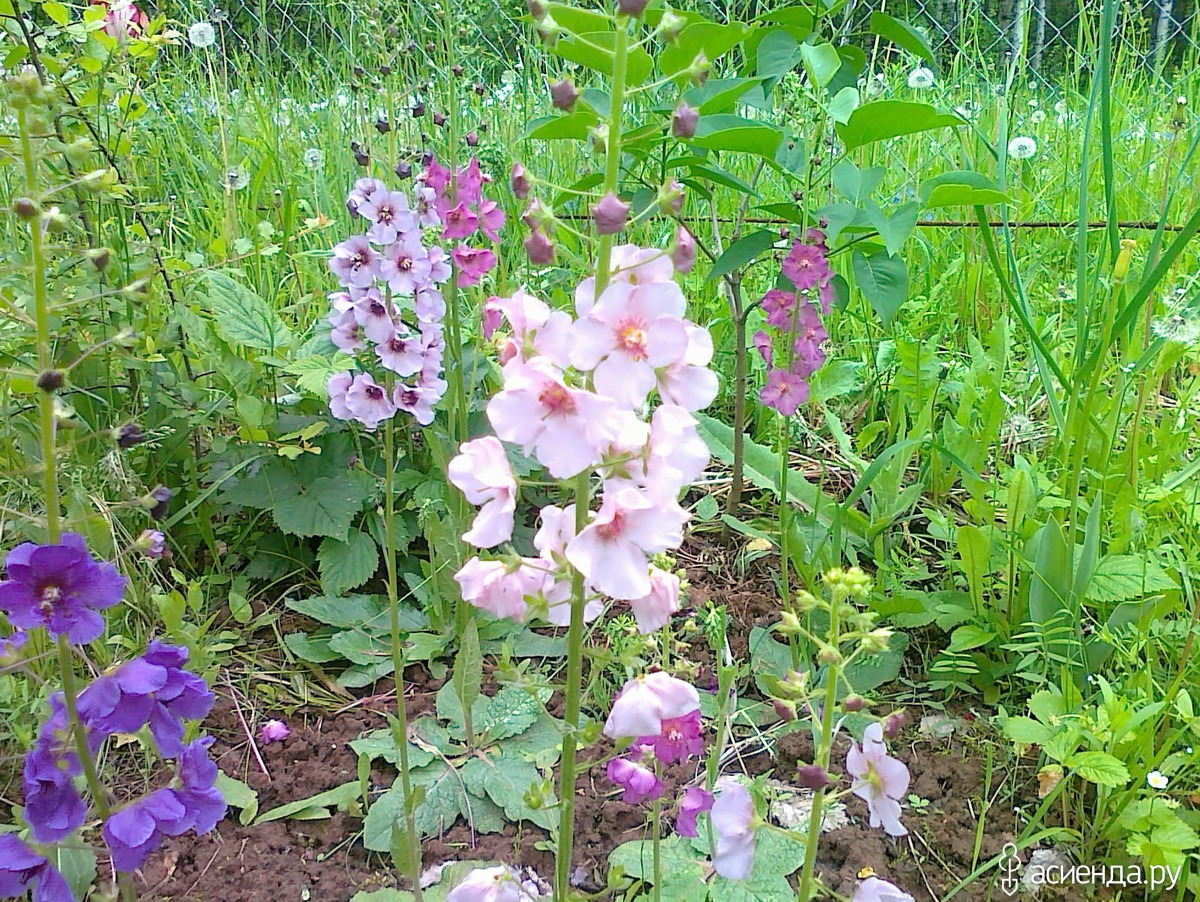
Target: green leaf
x,y
1027,731
974,551
1120,577
317,806
238,795
574,126
895,229
443,803
743,252
349,564
1100,768
821,61
383,895
737,134
241,317
713,39
885,119
77,865
506,779
1050,585
510,712
717,95
969,636
324,507
56,11
903,35
960,188
468,669
844,103
883,280
312,373
594,50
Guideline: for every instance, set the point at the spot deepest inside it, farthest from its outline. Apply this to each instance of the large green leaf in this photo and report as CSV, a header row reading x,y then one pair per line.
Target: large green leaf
x,y
349,564
241,317
903,35
883,280
1100,768
762,467
885,119
960,188
725,131
1120,577
442,801
743,251
708,37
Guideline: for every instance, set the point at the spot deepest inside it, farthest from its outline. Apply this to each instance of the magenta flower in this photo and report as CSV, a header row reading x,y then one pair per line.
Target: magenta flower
x,y
273,731
638,781
677,740
488,885
733,821
695,801
875,890
645,702
784,391
368,401
490,317
59,587
519,182
355,262
879,780
810,332
564,426
806,266
460,222
654,610
610,214
763,344
611,551
22,870
491,219
777,305
482,472
473,264
632,331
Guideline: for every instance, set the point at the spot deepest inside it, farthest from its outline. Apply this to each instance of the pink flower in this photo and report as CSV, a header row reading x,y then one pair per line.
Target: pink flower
x,y
777,305
491,219
436,176
806,266
690,383
810,332
695,801
273,731
368,402
762,343
630,332
406,266
539,248
346,333
428,303
473,264
418,400
355,263
459,222
638,781
488,885
683,251
491,586
390,215
676,454
481,471
684,120
784,391
653,611
610,214
677,740
439,267
875,890
611,550
491,316
363,191
122,19
879,780
733,821
338,385
404,355
646,701
564,426
518,182
537,330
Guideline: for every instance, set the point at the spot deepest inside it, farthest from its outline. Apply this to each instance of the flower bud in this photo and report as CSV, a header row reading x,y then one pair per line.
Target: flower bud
x,y
548,30
563,95
361,158
1121,266
385,70
51,380
403,170
99,257
876,642
598,137
788,625
537,9
829,655
152,544
670,198
472,139
631,7
382,125
811,776
804,602
539,248
785,709
26,208
894,723
457,70
128,435
610,214
683,121
670,26
683,251
854,703
538,216
439,119
518,181
157,502
698,70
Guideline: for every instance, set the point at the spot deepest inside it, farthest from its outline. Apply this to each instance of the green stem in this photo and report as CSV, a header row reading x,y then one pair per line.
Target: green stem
x,y
656,840
833,676
412,850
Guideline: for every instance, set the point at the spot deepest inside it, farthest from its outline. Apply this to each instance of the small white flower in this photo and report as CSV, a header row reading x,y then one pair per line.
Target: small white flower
x,y
1022,148
920,78
1156,780
1061,107
313,158
1176,328
237,179
202,34
1033,103
1037,116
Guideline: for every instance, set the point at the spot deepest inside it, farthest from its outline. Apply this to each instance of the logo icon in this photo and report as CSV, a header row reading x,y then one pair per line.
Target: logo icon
x,y
1009,866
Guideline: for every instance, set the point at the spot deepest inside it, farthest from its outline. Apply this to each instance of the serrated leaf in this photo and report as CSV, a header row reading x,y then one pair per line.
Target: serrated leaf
x,y
1027,731
1100,768
1120,577
510,712
505,779
349,564
312,373
441,806
238,795
243,318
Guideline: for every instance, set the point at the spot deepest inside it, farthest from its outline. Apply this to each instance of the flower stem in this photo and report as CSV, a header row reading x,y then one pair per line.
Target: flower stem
x,y
656,839
412,849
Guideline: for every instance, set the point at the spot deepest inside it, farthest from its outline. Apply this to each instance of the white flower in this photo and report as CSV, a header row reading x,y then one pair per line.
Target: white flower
x,y
202,34
920,78
1061,108
1176,328
313,158
1156,780
1037,116
237,179
1022,148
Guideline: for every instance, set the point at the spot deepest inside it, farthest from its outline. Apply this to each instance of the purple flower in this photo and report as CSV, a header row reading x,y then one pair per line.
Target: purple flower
x,y
733,821
539,248
59,587
138,829
777,305
405,266
762,342
810,332
784,391
473,263
11,645
679,739
203,802
363,190
610,214
368,401
152,544
518,182
153,689
355,263
812,776
806,266
683,251
53,807
22,869
491,316
639,782
274,731
404,355
879,780
683,121
875,890
695,801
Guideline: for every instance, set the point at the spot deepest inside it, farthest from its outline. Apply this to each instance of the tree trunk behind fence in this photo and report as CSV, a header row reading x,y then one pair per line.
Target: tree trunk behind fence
x,y
1162,31
1038,50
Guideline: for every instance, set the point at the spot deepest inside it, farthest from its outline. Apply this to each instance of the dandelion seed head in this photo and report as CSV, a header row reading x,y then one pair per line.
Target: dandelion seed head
x,y
1022,148
202,34
920,78
313,158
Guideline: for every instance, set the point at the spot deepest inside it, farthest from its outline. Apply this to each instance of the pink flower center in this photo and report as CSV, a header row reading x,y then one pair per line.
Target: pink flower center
x,y
377,309
374,393
556,399
633,339
612,530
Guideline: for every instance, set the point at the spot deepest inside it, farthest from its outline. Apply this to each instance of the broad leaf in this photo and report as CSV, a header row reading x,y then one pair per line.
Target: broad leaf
x,y
349,564
883,280
727,132
743,252
903,35
885,119
960,188
243,318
